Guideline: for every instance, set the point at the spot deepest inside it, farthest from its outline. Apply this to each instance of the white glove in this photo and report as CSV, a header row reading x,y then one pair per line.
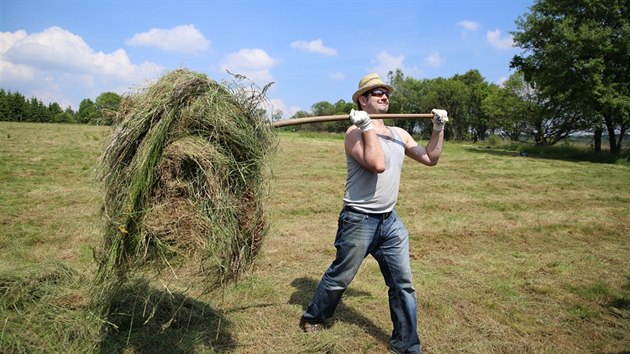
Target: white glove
x,y
440,117
361,119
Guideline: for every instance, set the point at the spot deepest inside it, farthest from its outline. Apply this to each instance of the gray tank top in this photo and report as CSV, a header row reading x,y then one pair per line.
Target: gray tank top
x,y
371,192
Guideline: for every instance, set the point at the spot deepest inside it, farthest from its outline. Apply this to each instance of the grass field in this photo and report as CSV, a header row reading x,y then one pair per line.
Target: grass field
x,y
510,254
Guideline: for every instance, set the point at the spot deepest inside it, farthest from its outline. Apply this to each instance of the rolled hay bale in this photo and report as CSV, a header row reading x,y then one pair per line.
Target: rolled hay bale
x,y
185,179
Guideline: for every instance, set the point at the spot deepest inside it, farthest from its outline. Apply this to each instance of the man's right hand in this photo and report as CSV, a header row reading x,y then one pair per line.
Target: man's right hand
x,y
361,119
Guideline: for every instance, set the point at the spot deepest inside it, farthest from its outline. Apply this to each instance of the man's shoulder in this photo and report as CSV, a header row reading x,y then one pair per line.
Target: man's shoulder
x,y
353,131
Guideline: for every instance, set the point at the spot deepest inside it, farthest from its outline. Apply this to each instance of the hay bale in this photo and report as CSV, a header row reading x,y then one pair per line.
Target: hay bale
x,y
185,179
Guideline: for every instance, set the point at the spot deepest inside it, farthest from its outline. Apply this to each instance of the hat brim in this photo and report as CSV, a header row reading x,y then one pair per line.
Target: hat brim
x,y
367,88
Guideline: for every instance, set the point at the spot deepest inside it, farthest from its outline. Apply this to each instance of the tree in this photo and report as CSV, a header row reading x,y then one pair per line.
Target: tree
x,y
407,98
37,111
478,89
107,104
460,95
576,53
341,108
276,115
4,106
451,95
324,108
87,112
17,107
54,109
514,110
500,106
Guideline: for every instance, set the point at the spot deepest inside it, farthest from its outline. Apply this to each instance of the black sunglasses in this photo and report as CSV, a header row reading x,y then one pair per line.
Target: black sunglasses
x,y
378,92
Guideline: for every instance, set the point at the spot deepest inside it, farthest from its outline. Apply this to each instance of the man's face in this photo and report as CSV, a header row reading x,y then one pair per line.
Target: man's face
x,y
376,101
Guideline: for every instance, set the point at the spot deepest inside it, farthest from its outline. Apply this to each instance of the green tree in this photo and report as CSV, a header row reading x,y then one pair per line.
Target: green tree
x,y
107,104
453,96
4,106
322,108
38,112
408,98
17,107
276,115
577,54
300,114
502,108
341,107
63,117
473,115
513,109
87,112
54,109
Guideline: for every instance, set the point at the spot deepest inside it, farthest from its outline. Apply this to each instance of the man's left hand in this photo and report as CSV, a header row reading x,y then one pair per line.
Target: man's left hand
x,y
440,117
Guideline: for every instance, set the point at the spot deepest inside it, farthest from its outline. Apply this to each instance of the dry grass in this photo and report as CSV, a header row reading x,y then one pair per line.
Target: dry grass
x,y
510,254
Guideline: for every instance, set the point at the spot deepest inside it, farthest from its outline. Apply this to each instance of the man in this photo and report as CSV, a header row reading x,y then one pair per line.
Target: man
x,y
368,223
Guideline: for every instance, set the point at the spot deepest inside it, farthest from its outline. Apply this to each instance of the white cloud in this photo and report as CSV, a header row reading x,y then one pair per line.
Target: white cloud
x,y
468,25
255,64
8,39
433,60
56,65
184,39
15,72
337,76
501,81
316,46
495,40
292,110
386,62
54,47
274,105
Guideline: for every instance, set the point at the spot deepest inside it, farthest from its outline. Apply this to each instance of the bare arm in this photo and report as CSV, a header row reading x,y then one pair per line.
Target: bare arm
x,y
365,148
428,155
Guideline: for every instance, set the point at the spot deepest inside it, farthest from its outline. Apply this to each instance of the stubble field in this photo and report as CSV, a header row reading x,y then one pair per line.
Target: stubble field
x,y
510,254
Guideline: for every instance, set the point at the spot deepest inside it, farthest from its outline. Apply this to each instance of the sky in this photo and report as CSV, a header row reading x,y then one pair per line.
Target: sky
x,y
69,50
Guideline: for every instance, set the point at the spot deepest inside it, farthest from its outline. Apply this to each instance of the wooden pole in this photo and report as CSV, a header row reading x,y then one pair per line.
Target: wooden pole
x,y
320,119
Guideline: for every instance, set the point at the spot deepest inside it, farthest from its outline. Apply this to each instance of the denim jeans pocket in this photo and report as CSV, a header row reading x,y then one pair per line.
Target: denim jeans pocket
x,y
350,217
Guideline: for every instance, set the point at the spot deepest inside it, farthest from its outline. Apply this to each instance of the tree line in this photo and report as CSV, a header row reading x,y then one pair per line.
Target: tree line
x,y
478,108
513,110
16,107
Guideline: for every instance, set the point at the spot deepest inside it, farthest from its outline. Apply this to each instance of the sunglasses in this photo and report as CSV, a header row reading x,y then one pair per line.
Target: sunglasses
x,y
378,92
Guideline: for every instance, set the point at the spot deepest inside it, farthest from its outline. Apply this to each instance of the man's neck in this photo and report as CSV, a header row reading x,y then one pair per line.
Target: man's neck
x,y
380,127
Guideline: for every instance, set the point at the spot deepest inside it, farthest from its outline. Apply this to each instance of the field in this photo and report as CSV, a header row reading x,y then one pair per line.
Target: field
x,y
510,254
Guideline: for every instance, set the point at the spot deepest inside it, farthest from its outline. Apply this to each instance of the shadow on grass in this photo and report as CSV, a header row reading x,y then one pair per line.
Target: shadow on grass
x,y
565,153
306,288
143,319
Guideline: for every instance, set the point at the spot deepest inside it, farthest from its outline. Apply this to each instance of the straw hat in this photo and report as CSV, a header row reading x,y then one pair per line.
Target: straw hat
x,y
370,82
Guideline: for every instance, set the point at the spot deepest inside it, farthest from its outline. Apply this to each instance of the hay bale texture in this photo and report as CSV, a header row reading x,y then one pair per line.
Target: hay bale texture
x,y
185,179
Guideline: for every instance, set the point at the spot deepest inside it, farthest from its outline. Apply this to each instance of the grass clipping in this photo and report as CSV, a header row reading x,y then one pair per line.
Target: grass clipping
x,y
186,179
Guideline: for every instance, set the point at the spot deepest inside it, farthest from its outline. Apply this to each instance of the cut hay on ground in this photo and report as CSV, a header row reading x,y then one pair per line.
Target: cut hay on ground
x,y
43,309
185,179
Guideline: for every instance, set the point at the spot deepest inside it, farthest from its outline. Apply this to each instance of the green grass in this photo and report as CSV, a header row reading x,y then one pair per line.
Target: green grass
x,y
509,254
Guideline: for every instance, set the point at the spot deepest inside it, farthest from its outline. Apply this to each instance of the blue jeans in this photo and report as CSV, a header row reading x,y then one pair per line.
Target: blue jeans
x,y
387,240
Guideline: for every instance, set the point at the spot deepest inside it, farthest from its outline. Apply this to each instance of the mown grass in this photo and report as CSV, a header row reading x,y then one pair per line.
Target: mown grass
x,y
509,254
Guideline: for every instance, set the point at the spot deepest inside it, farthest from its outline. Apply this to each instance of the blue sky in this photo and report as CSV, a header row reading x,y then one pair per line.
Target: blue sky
x,y
68,50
